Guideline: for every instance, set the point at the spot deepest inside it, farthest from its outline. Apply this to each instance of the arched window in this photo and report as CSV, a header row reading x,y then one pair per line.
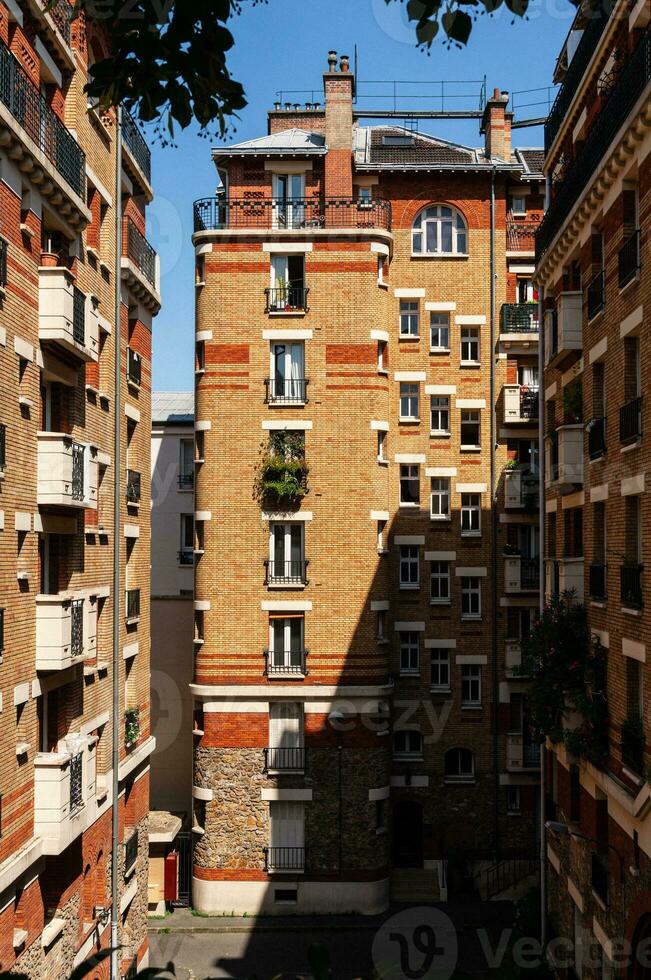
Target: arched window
x,y
459,764
439,230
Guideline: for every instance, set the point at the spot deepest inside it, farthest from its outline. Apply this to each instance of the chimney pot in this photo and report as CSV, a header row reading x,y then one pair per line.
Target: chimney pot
x,y
317,105
496,93
277,105
297,106
308,105
332,60
344,64
288,106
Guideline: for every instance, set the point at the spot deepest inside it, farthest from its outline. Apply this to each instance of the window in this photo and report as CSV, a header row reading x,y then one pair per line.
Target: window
x,y
519,204
409,407
513,799
409,317
470,597
287,287
186,464
286,553
459,764
407,742
440,669
186,552
440,582
440,499
439,230
470,429
381,816
381,270
409,485
634,699
439,331
285,735
287,382
470,345
471,513
381,446
289,206
471,684
285,643
409,653
287,835
382,626
409,566
364,197
382,359
440,415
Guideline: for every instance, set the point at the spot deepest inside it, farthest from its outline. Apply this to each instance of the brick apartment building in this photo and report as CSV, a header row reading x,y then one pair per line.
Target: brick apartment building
x,y
59,216
593,254
366,565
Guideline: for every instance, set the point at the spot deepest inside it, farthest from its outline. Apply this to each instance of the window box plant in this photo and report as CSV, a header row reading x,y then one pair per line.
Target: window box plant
x,y
132,726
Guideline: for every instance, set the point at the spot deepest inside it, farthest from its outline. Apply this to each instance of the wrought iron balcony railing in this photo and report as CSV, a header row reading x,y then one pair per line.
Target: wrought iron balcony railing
x,y
285,758
529,573
284,858
186,557
76,628
281,390
519,318
529,404
61,14
76,782
136,144
633,78
134,367
629,259
32,112
133,487
285,662
286,572
596,438
597,579
131,851
631,585
287,299
521,235
597,294
79,316
186,481
133,603
215,214
3,447
3,263
530,755
140,252
78,468
630,420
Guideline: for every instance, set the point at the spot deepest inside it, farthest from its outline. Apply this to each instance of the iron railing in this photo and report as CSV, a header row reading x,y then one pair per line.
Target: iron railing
x,y
281,390
61,14
575,71
633,78
286,572
597,438
496,879
79,316
3,447
286,299
76,628
134,367
630,420
632,737
631,585
530,755
285,758
519,318
186,481
529,573
597,578
214,214
629,259
285,662
76,782
284,858
186,557
3,263
31,111
136,144
521,235
140,252
133,487
529,403
77,472
597,294
599,876
133,603
131,851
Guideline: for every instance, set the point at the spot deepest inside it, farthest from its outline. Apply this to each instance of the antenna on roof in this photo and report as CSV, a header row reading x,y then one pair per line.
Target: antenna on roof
x,y
355,67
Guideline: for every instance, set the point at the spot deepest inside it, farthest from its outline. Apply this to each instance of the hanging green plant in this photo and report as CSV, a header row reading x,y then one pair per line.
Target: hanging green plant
x,y
132,726
281,474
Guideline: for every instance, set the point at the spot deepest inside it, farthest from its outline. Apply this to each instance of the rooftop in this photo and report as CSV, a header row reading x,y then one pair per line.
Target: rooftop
x,y
172,408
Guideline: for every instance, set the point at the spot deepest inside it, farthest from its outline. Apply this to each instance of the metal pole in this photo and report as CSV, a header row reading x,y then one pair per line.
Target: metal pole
x,y
117,539
493,435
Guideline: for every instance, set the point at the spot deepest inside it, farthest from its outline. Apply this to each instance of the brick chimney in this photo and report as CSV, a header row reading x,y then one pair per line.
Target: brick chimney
x,y
339,86
496,126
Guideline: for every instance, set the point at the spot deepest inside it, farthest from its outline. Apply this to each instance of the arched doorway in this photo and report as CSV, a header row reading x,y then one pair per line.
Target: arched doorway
x,y
642,942
408,834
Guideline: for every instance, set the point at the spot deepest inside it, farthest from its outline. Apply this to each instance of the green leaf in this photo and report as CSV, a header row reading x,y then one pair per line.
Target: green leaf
x,y
425,33
457,24
518,7
492,5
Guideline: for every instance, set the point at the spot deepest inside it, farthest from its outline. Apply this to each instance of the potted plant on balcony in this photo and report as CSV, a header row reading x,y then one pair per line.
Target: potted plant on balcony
x,y
131,726
281,475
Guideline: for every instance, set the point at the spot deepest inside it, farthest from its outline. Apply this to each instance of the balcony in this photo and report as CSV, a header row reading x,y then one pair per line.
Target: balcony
x,y
565,459
596,438
630,421
51,147
520,404
596,295
132,606
137,157
279,391
519,318
630,592
521,754
66,317
287,299
629,260
67,472
140,266
314,213
521,235
564,328
66,631
520,490
521,574
597,581
134,368
285,759
284,859
286,663
133,489
286,574
65,792
513,657
3,263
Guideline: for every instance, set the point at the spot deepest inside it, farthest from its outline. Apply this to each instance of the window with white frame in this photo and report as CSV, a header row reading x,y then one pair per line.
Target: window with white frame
x,y
470,428
409,652
409,398
409,485
382,360
440,498
470,514
439,331
381,624
186,464
471,597
471,684
286,735
381,447
459,764
519,204
440,582
286,835
381,270
439,230
440,415
289,203
409,317
287,378
407,742
286,552
470,345
409,566
440,669
286,651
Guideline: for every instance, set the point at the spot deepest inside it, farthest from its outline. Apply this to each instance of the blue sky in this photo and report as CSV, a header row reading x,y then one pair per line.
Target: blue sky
x,y
284,45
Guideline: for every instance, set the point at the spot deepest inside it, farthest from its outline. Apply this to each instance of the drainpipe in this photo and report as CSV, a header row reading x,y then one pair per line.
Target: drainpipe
x,y
117,539
493,438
